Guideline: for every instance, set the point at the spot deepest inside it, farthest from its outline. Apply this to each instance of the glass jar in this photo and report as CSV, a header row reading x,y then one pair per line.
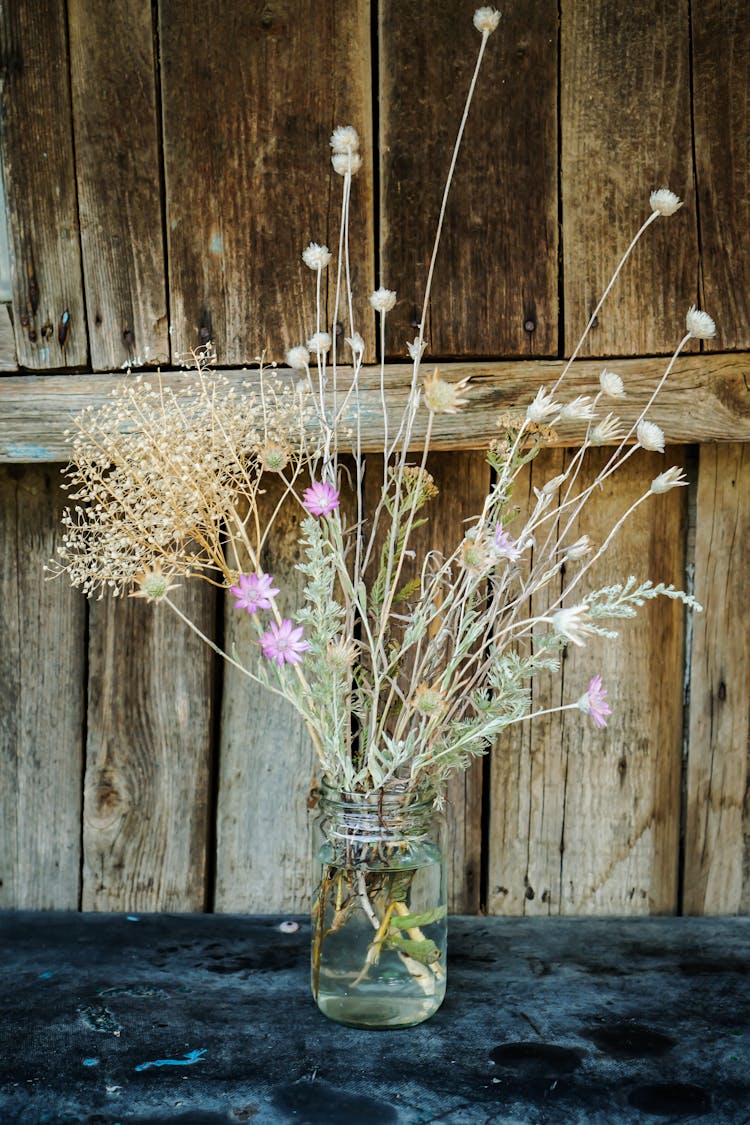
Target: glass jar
x,y
379,910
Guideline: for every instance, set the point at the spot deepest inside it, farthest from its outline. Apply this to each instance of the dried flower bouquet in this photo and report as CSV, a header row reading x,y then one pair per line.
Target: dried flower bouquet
x,y
399,680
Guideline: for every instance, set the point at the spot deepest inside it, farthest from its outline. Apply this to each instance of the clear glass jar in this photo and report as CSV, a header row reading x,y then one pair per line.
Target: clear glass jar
x,y
379,924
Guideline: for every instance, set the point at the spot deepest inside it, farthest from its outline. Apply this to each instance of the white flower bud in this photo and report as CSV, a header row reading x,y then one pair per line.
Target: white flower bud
x,y
573,624
316,257
605,431
344,138
672,478
486,20
356,343
542,409
346,162
298,358
579,549
580,409
383,300
552,485
415,348
611,384
699,324
664,201
650,436
319,343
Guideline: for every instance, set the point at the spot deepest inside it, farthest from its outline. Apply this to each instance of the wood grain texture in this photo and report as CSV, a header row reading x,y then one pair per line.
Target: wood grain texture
x,y
587,821
8,357
625,121
721,109
147,786
267,760
255,186
707,399
42,662
495,288
119,183
717,836
40,185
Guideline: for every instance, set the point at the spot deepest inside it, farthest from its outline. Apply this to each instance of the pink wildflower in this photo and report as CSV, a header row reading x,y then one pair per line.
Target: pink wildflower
x,y
254,592
283,643
320,498
594,703
505,545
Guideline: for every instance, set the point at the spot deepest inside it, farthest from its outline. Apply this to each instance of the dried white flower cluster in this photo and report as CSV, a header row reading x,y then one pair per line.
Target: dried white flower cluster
x,y
346,159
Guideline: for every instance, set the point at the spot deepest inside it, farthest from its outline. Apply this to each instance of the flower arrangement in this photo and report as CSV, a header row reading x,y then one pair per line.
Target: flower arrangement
x,y
402,668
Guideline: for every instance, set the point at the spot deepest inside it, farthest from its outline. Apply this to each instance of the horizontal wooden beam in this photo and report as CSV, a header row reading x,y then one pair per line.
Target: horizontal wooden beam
x,y
705,399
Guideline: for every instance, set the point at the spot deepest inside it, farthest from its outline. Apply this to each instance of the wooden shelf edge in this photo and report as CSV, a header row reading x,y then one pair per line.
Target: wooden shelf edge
x,y
705,399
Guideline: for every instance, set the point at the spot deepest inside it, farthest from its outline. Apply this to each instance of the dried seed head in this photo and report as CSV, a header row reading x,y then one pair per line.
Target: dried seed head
x,y
672,478
486,20
346,163
650,436
383,300
611,384
316,257
344,138
442,397
152,584
428,700
664,201
273,456
298,358
699,324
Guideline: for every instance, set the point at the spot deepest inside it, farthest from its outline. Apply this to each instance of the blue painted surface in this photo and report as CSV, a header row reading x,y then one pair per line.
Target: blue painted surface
x,y
133,918
90,1062
28,453
190,1058
47,975
217,244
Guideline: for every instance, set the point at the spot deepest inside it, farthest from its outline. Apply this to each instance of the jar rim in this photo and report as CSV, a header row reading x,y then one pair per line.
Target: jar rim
x,y
393,798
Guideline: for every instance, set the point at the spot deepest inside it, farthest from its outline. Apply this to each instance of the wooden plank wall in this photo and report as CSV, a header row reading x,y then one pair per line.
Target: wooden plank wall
x,y
158,197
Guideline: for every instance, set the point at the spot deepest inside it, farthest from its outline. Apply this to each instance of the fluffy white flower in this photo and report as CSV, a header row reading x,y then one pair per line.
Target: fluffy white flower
x,y
664,201
298,357
605,431
542,409
356,343
574,624
316,257
344,138
580,409
611,384
319,343
383,300
552,485
699,324
486,20
650,436
672,478
579,549
415,349
344,162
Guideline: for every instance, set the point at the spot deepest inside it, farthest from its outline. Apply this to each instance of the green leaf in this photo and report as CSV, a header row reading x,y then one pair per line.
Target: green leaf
x,y
414,921
424,951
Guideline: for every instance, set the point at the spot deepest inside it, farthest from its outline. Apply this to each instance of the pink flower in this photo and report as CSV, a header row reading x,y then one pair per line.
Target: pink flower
x,y
254,592
283,643
320,498
505,545
594,703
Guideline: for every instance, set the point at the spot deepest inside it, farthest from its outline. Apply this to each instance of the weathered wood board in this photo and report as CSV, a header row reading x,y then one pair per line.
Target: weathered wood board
x,y
8,357
717,832
37,135
625,124
721,111
258,157
495,287
147,797
119,182
583,820
42,666
267,761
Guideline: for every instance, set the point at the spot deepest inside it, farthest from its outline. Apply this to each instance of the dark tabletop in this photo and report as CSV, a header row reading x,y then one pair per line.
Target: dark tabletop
x,y
208,1019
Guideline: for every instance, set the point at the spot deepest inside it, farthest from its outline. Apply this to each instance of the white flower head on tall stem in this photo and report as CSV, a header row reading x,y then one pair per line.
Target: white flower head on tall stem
x,y
699,324
581,409
357,344
486,20
650,436
346,163
319,343
543,409
442,397
611,384
344,138
672,478
383,300
574,624
579,550
298,357
609,429
316,257
664,201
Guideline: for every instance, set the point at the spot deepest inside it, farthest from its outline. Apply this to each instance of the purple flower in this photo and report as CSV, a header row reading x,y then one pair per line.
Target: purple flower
x,y
505,545
320,498
594,702
283,643
254,592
